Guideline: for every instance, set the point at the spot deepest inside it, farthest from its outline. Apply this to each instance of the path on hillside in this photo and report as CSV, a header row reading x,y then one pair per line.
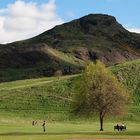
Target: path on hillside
x,y
28,85
37,83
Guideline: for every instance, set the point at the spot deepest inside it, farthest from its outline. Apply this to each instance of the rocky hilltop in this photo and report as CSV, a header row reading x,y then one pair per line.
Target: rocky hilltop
x,y
69,46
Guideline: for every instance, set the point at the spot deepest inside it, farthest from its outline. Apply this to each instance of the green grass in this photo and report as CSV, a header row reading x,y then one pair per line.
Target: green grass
x,y
37,97
68,58
18,129
51,97
24,83
129,74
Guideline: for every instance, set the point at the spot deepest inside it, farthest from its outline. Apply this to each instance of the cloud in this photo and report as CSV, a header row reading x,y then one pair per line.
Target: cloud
x,y
136,30
22,20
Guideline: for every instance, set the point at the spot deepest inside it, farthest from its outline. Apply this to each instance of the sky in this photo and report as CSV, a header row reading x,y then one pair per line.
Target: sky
x,y
22,19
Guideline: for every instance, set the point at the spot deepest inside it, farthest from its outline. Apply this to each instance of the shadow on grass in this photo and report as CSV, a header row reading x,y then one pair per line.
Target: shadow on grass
x,y
134,133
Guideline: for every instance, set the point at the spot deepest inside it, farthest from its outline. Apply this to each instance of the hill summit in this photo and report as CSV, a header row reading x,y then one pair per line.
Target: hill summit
x,y
67,47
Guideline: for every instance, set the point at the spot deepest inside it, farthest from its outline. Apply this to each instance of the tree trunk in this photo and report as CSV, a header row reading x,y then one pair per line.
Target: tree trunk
x,y
101,123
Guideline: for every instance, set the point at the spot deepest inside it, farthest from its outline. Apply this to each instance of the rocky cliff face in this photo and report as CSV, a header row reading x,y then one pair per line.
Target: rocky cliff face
x,y
95,36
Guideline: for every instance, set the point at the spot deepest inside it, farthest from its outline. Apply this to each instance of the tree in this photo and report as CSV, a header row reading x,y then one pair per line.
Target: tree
x,y
58,73
97,90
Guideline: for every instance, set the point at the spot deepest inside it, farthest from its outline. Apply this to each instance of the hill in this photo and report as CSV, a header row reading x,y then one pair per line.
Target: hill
x,y
51,97
35,61
67,47
129,74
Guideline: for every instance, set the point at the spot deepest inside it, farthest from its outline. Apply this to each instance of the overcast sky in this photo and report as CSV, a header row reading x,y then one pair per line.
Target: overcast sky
x,y
22,19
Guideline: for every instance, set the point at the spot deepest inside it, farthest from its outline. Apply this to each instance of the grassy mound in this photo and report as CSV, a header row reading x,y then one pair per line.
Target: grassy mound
x,y
129,74
51,97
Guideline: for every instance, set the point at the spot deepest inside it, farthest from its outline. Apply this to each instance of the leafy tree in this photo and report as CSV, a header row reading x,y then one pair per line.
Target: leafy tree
x,y
97,90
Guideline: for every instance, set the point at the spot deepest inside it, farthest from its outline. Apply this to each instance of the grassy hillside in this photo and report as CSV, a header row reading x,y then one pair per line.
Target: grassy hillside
x,y
54,60
129,74
36,97
51,97
68,58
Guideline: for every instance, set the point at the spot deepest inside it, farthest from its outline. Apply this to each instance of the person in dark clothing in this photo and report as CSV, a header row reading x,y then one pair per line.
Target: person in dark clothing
x,y
33,123
118,127
121,128
44,126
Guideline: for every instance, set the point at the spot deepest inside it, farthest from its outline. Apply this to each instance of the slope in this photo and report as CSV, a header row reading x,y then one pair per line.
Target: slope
x,y
35,61
91,37
95,36
51,97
